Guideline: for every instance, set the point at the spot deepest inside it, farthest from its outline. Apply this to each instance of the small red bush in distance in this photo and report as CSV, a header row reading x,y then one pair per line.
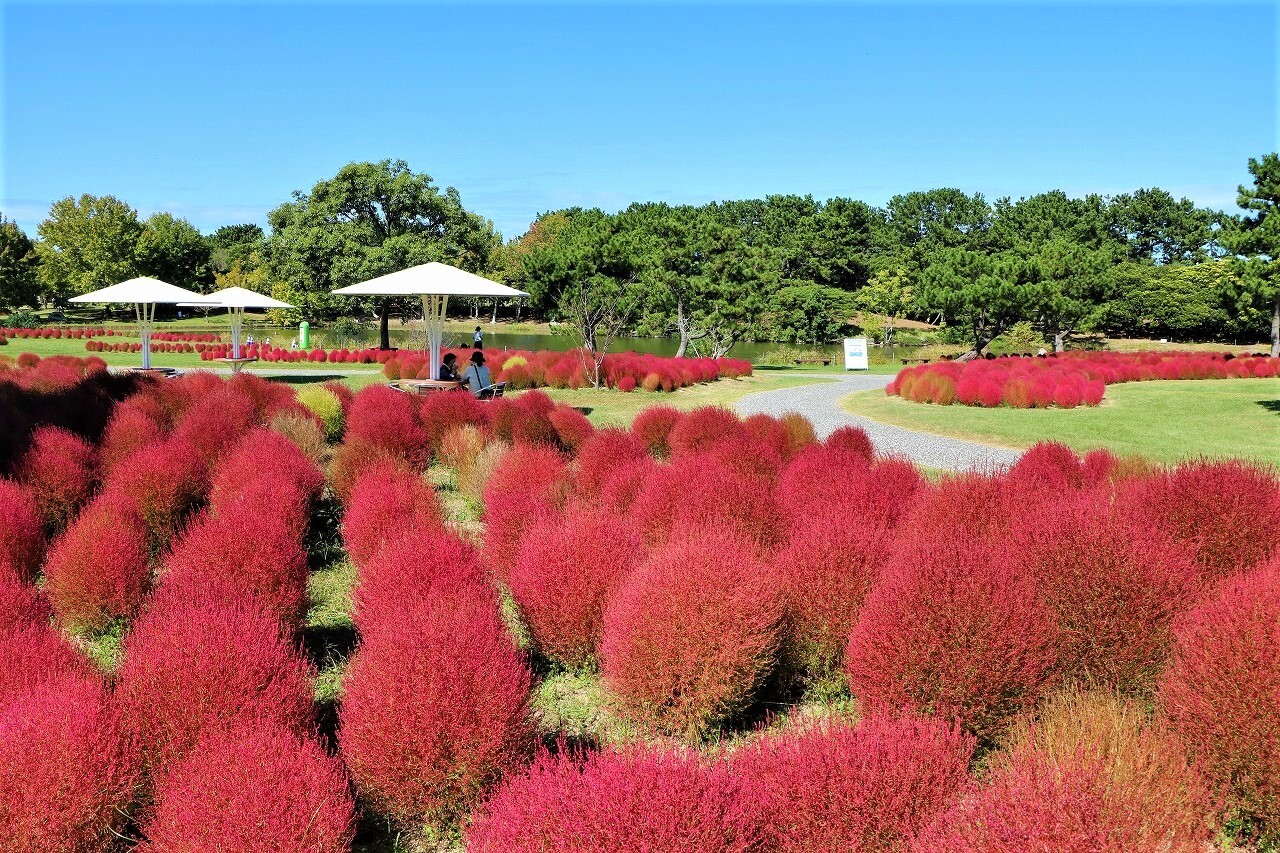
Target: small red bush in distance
x,y
59,470
252,786
203,654
256,552
66,769
528,482
951,629
853,440
384,501
435,704
637,799
653,427
97,571
691,633
1221,693
21,535
840,787
564,574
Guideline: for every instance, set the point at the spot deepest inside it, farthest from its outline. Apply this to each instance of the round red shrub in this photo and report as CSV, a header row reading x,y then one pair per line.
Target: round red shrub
x,y
425,560
434,708
21,534
564,574
601,454
637,799
252,786
387,419
653,427
952,629
21,604
852,440
161,483
203,654
32,655
215,421
1047,468
129,429
352,458
869,787
571,426
59,470
529,481
66,770
1221,693
691,633
97,572
703,427
703,490
384,501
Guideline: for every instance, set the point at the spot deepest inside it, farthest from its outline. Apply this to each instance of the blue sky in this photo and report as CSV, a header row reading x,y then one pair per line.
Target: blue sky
x,y
217,112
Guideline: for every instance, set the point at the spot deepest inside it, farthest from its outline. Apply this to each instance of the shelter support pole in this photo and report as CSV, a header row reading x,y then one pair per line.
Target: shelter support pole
x,y
146,313
433,308
237,321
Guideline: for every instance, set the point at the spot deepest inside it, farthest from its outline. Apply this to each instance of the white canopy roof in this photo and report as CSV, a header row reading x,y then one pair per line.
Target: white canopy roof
x,y
145,291
238,297
431,279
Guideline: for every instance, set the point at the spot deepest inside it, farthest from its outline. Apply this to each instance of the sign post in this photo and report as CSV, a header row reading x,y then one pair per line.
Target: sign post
x,y
855,354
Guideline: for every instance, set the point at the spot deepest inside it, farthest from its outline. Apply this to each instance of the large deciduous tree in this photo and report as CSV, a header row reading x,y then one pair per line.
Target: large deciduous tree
x,y
369,220
1255,238
86,244
172,250
18,283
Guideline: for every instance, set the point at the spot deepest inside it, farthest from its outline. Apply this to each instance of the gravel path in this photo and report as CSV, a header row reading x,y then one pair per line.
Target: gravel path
x,y
820,403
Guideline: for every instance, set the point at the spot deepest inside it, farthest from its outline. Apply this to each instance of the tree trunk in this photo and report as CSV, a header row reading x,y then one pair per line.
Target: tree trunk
x,y
1059,341
495,311
384,331
682,326
1275,326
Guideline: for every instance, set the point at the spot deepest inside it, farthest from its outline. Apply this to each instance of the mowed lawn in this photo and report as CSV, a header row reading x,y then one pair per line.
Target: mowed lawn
x,y
1164,421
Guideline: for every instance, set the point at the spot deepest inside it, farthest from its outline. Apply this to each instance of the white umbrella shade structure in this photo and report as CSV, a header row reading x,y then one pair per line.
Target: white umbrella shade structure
x,y
144,294
235,300
435,283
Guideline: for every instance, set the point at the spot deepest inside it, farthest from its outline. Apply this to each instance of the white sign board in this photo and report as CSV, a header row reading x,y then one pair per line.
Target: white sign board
x,y
855,354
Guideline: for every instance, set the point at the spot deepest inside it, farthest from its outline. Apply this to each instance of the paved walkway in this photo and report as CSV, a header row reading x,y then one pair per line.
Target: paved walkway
x,y
820,403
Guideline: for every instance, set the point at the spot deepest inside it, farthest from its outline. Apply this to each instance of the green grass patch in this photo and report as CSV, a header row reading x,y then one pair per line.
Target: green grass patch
x,y
1165,421
329,631
104,648
618,408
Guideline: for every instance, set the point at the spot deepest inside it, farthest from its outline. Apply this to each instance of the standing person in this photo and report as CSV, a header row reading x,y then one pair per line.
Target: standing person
x,y
477,375
478,338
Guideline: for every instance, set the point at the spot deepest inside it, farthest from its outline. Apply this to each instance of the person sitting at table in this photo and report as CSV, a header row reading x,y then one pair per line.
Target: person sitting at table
x,y
449,368
477,375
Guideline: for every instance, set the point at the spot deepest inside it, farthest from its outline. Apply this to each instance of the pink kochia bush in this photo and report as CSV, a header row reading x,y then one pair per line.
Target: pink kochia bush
x,y
60,471
952,629
386,501
567,568
33,654
202,655
529,482
705,490
67,771
691,633
658,801
436,695
21,604
21,534
253,786
1221,693
266,473
386,419
97,571
868,787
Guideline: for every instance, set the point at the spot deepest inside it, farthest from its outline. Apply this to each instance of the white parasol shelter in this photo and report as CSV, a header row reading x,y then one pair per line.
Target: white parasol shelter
x,y
144,294
435,283
236,300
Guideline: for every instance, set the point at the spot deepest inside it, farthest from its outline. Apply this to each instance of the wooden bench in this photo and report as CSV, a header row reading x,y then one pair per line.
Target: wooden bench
x,y
813,360
916,360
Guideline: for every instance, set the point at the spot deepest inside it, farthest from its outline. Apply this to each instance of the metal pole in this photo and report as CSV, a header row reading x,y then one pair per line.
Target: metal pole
x,y
433,310
236,319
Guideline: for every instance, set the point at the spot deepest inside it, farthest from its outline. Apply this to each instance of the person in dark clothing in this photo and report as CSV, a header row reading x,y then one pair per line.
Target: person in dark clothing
x,y
449,368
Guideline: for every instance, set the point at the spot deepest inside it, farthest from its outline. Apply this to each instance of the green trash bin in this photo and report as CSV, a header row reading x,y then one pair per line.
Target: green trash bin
x,y
304,335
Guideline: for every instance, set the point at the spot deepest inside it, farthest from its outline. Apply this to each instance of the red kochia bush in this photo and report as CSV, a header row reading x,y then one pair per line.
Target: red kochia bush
x,y
1221,693
21,537
703,427
527,483
840,787
59,471
636,799
97,571
951,629
162,483
691,633
384,502
21,604
1047,467
66,769
257,552
266,474
571,426
31,655
425,561
216,421
442,412
853,440
389,420
435,704
601,454
703,490
1223,511
129,429
1113,589
253,787
563,576
653,427
205,653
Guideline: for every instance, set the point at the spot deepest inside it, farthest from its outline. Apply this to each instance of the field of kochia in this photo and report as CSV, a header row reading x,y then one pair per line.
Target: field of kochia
x,y
240,615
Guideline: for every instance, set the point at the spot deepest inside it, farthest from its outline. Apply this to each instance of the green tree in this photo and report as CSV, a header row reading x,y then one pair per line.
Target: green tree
x,y
982,293
1255,239
1176,302
18,282
809,313
86,244
1157,228
890,294
369,220
172,250
232,243
1071,286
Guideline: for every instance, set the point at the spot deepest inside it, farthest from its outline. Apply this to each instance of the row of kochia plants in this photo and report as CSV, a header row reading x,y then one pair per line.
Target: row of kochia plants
x,y
1064,380
1077,654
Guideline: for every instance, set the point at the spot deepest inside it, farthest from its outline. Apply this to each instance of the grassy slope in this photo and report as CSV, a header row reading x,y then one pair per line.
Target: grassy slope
x,y
1164,421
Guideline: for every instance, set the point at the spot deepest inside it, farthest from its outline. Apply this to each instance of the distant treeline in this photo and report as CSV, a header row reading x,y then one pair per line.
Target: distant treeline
x,y
783,268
